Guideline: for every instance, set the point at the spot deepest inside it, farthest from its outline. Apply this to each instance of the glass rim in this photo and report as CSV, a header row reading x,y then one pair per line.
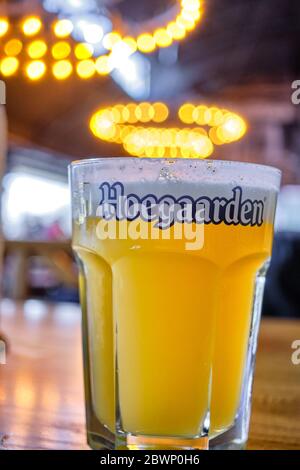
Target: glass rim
x,y
197,161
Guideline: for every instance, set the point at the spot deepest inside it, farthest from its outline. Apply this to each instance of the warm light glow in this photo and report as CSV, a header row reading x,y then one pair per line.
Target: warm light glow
x,y
9,66
13,47
103,65
4,26
31,26
62,69
186,113
144,112
37,49
61,50
110,40
146,43
63,28
131,43
84,51
86,69
161,112
176,31
36,70
189,13
162,38
121,124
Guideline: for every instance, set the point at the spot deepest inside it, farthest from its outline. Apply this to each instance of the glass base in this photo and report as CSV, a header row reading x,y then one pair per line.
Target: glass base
x,y
231,445
132,442
97,442
232,439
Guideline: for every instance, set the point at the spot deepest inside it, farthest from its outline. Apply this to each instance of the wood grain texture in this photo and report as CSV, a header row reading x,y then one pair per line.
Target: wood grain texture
x,y
41,390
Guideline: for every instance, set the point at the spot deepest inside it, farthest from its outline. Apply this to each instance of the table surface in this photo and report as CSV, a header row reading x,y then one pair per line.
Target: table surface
x,y
41,390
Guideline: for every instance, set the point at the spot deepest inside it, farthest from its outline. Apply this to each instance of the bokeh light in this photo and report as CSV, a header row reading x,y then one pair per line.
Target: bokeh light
x,y
61,50
37,49
4,26
13,47
35,70
62,69
63,28
9,66
103,65
110,40
86,69
162,38
146,43
31,26
124,124
84,51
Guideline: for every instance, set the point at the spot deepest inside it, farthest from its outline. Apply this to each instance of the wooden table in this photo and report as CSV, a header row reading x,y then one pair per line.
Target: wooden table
x,y
41,391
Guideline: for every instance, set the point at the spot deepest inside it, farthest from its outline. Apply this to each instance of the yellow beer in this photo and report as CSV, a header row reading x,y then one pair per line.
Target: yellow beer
x,y
165,302
177,320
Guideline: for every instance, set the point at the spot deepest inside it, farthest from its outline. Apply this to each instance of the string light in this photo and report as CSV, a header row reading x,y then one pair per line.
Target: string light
x,y
123,124
117,46
37,49
9,66
84,51
162,38
4,26
35,70
63,28
61,50
13,47
146,43
62,69
103,65
86,69
31,26
111,39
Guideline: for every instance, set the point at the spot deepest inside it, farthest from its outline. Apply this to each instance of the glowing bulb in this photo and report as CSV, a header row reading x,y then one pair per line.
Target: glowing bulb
x,y
162,38
37,49
187,24
131,43
61,50
84,51
62,69
110,40
86,69
35,70
186,113
9,66
131,111
144,112
190,5
176,31
146,43
161,112
63,28
103,65
31,26
4,26
13,47
233,128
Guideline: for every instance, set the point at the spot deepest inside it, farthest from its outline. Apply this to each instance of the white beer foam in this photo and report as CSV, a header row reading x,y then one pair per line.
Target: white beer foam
x,y
142,170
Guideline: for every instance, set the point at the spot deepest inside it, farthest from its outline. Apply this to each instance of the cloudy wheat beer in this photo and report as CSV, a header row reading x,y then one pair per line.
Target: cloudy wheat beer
x,y
170,253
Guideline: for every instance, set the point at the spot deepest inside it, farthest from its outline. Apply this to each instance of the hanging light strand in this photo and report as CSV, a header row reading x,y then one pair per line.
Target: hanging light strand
x,y
124,124
26,39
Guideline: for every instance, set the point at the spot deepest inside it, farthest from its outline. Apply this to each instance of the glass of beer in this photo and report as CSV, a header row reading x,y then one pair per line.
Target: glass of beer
x,y
172,256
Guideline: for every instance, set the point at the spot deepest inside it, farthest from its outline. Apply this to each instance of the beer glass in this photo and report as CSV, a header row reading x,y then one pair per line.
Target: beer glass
x,y
172,254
